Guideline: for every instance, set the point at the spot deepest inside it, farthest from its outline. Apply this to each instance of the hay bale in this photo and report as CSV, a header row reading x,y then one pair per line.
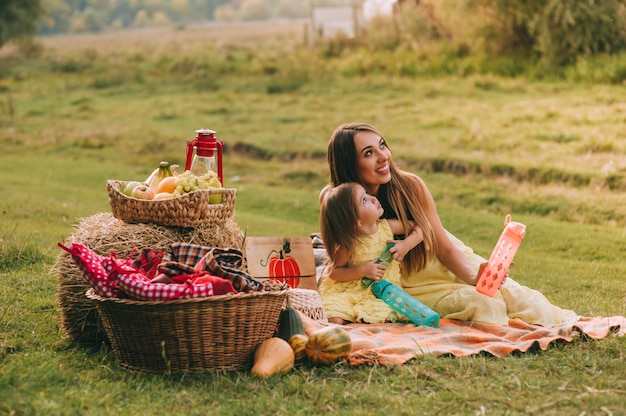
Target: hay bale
x,y
104,234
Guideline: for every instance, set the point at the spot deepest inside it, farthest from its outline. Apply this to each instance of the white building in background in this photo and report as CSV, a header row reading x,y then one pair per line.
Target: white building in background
x,y
328,21
373,8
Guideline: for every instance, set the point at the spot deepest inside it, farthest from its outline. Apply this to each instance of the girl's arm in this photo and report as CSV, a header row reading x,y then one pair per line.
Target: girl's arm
x,y
449,254
341,272
401,247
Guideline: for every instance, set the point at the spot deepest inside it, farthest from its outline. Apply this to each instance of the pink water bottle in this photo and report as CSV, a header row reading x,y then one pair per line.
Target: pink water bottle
x,y
496,269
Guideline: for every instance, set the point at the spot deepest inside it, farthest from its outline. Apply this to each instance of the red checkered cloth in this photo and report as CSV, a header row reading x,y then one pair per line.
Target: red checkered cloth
x,y
113,277
137,285
187,258
148,261
93,269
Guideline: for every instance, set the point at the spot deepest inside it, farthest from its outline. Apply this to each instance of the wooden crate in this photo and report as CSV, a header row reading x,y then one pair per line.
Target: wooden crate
x,y
282,258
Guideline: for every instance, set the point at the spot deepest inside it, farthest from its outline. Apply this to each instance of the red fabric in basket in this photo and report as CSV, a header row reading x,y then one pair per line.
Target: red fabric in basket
x,y
148,261
111,277
187,258
92,267
137,285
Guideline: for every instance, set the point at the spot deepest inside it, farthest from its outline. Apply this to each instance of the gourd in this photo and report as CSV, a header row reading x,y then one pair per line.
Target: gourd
x,y
273,356
289,323
298,345
328,345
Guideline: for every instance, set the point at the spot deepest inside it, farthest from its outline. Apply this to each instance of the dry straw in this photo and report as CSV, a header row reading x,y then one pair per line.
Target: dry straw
x,y
103,233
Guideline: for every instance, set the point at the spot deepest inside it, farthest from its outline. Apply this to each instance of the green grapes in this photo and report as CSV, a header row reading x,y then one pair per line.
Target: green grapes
x,y
188,182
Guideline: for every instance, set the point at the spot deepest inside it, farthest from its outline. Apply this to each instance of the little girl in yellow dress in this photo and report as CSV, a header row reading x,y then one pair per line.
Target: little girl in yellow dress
x,y
354,236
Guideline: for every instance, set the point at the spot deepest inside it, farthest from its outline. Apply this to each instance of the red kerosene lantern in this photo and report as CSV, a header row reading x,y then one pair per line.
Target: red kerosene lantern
x,y
208,154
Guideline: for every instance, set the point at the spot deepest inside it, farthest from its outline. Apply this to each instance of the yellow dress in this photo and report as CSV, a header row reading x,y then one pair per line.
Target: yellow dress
x,y
438,288
351,300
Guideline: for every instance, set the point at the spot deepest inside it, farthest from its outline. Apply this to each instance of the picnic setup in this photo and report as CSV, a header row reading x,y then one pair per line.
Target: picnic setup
x,y
171,283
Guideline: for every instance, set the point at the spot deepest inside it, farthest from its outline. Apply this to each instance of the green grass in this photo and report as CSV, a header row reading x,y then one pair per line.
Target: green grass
x,y
550,153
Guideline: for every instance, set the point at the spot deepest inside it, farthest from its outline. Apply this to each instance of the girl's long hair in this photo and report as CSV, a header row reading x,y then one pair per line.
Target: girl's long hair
x,y
339,220
403,191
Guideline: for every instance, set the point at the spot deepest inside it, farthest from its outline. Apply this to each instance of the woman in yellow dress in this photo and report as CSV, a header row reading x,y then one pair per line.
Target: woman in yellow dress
x,y
442,271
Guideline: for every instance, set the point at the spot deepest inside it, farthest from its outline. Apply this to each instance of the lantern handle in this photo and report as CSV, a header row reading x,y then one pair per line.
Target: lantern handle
x,y
220,150
190,145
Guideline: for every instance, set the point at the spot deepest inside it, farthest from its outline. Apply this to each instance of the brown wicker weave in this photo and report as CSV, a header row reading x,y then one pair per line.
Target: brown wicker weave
x,y
309,302
189,210
190,335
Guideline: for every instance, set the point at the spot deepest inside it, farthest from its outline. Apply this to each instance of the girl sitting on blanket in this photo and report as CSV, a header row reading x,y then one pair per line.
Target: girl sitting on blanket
x,y
441,272
354,237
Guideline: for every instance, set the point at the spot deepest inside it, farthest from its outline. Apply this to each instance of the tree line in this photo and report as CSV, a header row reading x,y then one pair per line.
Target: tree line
x,y
77,16
558,31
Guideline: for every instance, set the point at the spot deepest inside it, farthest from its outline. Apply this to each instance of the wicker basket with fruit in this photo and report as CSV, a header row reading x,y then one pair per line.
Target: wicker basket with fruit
x,y
193,202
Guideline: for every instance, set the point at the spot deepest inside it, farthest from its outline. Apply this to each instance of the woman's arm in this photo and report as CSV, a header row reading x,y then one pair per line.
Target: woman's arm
x,y
449,254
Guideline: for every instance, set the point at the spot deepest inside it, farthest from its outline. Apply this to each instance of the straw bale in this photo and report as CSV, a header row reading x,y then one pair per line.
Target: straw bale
x,y
104,234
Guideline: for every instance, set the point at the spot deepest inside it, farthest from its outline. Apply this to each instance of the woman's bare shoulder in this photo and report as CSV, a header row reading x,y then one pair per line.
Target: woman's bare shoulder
x,y
414,179
324,191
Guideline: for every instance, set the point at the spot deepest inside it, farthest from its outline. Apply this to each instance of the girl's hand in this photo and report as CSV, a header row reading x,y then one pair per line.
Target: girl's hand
x,y
373,270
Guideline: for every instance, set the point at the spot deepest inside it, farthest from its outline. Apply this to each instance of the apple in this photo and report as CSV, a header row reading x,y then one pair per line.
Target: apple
x,y
130,187
143,192
216,198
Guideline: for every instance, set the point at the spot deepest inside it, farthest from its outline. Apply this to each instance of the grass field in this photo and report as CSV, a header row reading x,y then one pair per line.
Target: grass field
x,y
93,108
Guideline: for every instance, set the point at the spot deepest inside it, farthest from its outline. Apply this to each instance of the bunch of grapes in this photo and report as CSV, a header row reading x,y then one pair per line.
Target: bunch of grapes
x,y
188,182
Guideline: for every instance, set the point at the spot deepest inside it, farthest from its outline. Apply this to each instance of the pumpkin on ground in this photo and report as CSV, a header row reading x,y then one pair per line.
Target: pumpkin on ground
x,y
328,345
273,356
298,345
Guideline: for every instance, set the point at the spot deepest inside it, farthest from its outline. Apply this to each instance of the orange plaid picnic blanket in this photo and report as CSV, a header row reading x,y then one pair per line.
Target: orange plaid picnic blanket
x,y
397,343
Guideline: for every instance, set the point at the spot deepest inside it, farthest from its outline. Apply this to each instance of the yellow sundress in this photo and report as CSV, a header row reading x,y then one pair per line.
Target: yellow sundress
x,y
438,288
351,300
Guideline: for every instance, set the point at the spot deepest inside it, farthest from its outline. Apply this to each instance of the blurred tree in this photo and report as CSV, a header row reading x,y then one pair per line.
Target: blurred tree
x,y
292,8
18,19
557,31
255,10
56,18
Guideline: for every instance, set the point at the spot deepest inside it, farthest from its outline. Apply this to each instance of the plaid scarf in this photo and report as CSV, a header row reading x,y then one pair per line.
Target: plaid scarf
x,y
187,258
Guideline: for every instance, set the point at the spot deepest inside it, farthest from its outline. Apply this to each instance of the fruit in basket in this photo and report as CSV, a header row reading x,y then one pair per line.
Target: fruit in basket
x,y
162,195
130,187
273,356
163,171
142,192
188,182
328,345
167,185
216,198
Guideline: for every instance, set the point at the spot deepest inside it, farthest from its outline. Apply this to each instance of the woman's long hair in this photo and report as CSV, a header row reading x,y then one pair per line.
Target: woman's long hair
x,y
402,192
339,220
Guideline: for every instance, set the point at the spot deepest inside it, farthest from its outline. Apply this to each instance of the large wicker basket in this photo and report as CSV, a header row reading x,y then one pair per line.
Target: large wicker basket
x,y
190,335
190,210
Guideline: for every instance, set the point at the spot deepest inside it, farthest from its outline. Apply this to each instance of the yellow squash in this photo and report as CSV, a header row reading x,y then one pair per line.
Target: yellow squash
x,y
273,356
